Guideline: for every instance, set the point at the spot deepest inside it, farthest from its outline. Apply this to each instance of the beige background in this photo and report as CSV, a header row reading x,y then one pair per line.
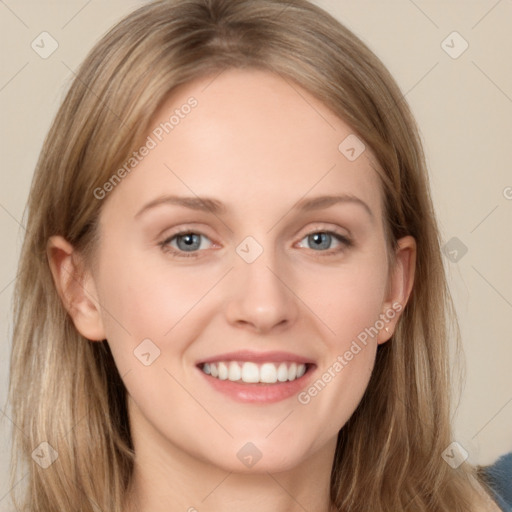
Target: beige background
x,y
464,109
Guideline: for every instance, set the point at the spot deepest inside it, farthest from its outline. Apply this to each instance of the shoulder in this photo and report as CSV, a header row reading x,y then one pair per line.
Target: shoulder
x,y
499,478
487,503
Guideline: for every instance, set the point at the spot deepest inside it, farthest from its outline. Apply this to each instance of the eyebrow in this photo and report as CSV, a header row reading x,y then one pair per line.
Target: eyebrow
x,y
208,204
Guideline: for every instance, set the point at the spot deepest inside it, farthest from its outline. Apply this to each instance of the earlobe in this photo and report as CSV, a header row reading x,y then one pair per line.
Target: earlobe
x,y
75,287
400,285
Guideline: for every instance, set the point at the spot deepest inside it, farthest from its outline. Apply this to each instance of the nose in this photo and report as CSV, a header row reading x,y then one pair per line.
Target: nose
x,y
262,300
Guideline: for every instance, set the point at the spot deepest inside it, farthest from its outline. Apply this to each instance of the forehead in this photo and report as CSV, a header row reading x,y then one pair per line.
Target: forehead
x,y
252,136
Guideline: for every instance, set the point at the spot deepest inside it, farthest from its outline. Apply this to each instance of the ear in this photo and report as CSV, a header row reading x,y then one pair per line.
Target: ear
x,y
400,285
76,288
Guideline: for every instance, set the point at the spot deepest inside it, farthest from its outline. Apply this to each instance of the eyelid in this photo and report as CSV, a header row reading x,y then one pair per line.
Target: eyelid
x,y
345,240
325,227
165,243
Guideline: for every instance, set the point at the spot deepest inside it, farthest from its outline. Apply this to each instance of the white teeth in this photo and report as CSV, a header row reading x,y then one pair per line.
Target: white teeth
x,y
282,373
235,373
223,371
249,372
268,373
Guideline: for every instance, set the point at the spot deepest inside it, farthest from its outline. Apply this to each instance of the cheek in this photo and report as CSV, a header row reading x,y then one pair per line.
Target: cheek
x,y
351,312
143,301
148,301
352,299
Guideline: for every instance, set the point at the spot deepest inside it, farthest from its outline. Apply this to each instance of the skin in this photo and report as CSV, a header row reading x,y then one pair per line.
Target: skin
x,y
256,144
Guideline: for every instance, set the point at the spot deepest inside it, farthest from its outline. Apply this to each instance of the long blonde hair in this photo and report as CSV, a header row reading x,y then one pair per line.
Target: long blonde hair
x,y
66,390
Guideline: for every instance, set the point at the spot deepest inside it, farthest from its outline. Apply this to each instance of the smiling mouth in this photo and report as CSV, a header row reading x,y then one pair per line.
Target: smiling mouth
x,y
249,372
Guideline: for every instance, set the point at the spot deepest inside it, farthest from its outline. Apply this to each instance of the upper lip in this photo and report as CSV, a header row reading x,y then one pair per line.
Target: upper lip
x,y
257,357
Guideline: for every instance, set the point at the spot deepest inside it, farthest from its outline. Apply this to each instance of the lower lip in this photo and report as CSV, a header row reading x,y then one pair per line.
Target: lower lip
x,y
260,392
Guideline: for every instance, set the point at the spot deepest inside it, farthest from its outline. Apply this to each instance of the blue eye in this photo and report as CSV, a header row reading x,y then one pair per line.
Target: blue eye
x,y
323,239
188,243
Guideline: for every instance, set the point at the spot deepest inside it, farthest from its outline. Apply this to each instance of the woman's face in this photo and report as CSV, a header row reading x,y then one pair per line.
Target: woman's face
x,y
267,282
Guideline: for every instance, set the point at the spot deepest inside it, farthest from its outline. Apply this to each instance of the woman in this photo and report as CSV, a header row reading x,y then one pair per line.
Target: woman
x,y
249,366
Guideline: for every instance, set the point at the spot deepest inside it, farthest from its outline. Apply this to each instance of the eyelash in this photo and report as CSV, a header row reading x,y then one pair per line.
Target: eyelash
x,y
347,242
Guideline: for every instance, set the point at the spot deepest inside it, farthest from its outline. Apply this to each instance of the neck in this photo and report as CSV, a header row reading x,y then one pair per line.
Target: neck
x,y
227,492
